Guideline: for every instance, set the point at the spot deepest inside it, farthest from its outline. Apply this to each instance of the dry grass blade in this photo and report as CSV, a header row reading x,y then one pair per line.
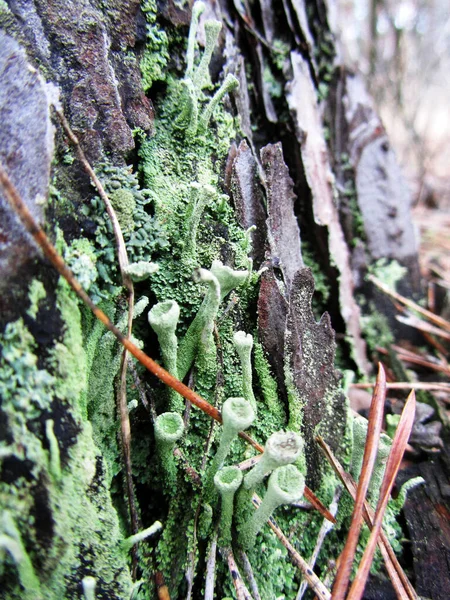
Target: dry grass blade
x,y
423,326
370,454
400,581
416,359
314,582
407,385
436,319
128,284
399,442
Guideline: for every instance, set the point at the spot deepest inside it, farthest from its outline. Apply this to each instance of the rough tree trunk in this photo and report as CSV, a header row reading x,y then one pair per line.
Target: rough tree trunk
x,y
297,151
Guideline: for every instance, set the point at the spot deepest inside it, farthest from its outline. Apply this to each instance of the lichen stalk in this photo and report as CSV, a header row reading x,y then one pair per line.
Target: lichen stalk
x,y
237,415
89,584
197,10
230,84
286,485
200,332
169,428
227,481
163,318
244,343
11,541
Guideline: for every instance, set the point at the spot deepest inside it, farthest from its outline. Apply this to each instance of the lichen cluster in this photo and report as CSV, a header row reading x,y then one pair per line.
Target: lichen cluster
x,y
202,297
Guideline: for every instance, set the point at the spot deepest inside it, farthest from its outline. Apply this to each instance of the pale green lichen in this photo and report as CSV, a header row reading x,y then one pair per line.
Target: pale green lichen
x,y
286,485
76,521
89,584
169,428
237,415
163,318
81,258
11,541
282,448
55,458
180,220
36,294
141,536
390,272
227,482
141,270
244,343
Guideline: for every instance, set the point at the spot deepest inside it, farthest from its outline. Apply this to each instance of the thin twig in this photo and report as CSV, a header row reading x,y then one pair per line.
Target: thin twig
x,y
242,592
407,385
248,463
324,530
56,260
416,359
370,454
120,243
188,469
190,571
248,572
141,390
210,577
421,325
313,581
125,427
411,304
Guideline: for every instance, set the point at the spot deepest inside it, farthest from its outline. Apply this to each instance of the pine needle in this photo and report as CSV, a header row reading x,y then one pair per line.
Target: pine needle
x,y
399,442
400,581
436,319
314,582
370,454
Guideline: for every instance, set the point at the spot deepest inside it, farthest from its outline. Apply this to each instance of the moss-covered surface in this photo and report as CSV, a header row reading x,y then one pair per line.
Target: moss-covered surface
x,y
64,515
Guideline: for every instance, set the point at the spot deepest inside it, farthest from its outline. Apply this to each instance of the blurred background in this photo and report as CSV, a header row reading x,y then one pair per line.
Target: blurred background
x,y
403,49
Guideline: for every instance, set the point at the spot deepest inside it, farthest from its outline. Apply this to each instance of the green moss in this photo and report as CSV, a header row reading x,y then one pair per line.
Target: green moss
x,y
36,294
376,330
59,464
156,55
390,272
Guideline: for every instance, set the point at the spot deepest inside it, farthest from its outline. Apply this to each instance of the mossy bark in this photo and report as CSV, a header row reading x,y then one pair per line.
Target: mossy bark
x,y
61,483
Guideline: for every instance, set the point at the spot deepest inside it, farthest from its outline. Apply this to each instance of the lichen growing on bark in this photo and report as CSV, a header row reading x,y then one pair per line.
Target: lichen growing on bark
x,y
62,460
